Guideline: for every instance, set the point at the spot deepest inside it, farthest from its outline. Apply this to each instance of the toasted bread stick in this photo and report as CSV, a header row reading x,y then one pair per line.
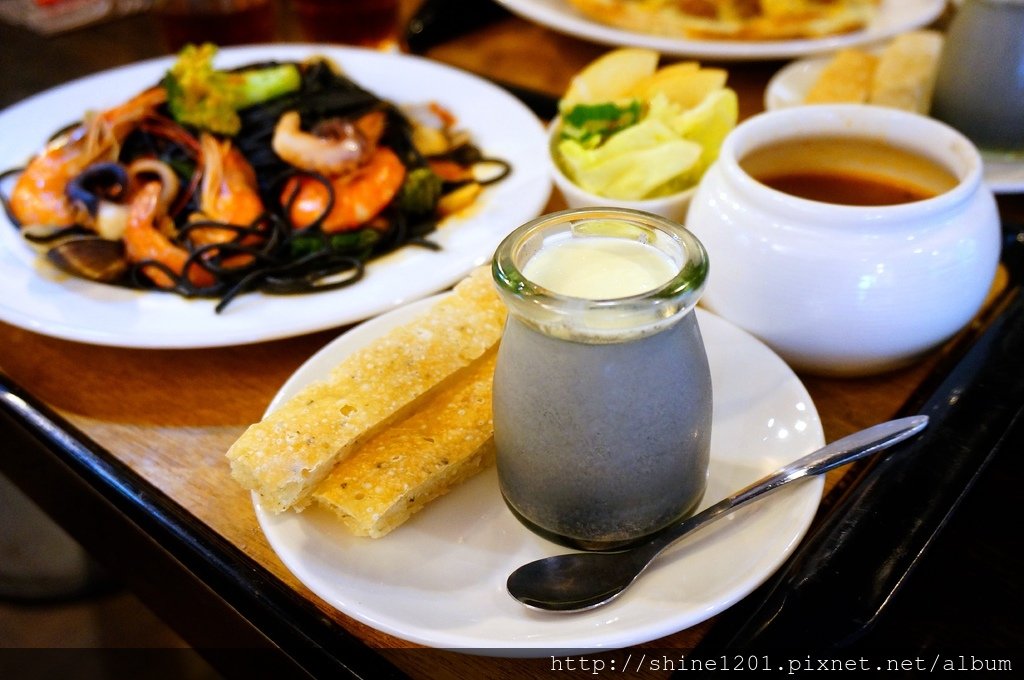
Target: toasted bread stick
x,y
287,454
401,469
905,76
846,79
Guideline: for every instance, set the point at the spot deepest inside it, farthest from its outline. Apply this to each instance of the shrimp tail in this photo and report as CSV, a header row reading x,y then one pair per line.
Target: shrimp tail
x,y
39,196
146,244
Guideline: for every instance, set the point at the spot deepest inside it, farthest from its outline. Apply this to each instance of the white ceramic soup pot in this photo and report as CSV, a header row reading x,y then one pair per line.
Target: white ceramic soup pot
x,y
842,289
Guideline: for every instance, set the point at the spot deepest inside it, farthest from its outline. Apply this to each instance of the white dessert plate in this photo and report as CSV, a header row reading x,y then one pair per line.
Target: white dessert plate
x,y
35,296
894,16
790,85
439,579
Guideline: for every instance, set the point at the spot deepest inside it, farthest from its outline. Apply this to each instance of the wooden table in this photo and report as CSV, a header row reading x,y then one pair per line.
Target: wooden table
x,y
125,448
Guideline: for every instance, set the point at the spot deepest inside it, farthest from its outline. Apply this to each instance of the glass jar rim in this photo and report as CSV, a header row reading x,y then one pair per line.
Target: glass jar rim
x,y
609,319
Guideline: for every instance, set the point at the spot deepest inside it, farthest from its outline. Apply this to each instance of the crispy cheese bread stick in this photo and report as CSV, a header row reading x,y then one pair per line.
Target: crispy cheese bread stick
x,y
905,76
846,79
287,454
404,467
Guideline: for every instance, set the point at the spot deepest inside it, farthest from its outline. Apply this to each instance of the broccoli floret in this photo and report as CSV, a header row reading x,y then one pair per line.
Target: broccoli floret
x,y
200,95
356,243
420,191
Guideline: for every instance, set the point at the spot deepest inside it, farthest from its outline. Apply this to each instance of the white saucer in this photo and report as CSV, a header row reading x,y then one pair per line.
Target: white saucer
x,y
439,580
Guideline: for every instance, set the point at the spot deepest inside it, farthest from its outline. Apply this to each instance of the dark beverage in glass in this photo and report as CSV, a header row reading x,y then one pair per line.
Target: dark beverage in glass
x,y
222,22
367,23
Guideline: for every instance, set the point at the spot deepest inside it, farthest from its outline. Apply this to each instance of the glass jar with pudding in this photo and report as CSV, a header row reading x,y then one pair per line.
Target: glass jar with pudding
x,y
602,391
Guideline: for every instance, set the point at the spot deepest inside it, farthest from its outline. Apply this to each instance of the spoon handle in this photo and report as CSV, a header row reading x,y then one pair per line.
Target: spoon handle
x,y
840,452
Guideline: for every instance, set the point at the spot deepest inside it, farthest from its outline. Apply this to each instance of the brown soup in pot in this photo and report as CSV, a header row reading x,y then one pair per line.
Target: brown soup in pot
x,y
848,171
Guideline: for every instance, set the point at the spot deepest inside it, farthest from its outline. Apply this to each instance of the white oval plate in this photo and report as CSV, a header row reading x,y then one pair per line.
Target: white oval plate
x,y
35,296
894,16
789,86
439,579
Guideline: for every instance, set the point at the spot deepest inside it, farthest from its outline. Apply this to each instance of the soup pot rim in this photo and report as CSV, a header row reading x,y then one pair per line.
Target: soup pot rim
x,y
857,121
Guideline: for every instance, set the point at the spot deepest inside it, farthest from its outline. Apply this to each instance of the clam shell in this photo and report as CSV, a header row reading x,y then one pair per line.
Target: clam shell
x,y
90,257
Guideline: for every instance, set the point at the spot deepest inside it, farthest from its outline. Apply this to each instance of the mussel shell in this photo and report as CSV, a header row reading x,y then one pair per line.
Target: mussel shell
x,y
90,257
490,170
96,182
44,234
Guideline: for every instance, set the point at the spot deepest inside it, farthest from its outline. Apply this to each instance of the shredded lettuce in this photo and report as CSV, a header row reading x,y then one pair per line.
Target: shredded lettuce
x,y
592,124
708,123
665,150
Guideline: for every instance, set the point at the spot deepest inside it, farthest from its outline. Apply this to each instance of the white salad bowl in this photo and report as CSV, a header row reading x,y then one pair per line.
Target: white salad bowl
x,y
838,289
673,206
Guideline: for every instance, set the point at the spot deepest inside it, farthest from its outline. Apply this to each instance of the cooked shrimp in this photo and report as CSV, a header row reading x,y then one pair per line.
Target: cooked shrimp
x,y
170,184
145,242
450,171
358,196
371,125
228,192
432,128
333,148
39,194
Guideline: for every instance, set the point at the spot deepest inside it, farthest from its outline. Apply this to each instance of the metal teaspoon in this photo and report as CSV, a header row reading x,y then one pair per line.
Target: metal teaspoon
x,y
579,581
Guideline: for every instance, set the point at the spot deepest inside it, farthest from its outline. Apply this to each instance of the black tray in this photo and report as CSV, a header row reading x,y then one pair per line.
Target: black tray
x,y
860,581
